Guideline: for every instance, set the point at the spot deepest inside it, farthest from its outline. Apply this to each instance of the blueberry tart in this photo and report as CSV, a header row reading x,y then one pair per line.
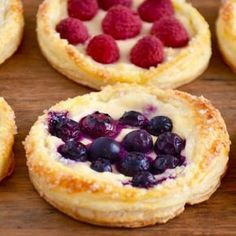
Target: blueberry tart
x,y
226,32
7,132
111,159
161,43
11,27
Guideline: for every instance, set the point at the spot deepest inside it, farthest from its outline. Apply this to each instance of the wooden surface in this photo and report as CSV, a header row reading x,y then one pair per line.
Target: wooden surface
x,y
30,85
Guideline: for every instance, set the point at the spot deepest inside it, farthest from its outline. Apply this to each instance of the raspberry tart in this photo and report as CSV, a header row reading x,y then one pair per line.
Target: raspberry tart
x,y
109,159
226,32
11,27
160,43
7,132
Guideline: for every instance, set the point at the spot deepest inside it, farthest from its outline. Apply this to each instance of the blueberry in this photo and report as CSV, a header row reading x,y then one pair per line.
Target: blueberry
x,y
134,119
169,143
182,160
63,127
98,125
138,141
74,151
105,148
101,165
133,163
159,125
164,162
144,180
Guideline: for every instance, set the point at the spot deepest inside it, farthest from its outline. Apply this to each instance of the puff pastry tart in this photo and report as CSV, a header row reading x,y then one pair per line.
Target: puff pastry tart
x,y
99,42
226,32
7,132
111,159
11,27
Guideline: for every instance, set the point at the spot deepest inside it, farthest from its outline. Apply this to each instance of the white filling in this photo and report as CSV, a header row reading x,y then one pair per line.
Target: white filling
x,y
94,27
115,108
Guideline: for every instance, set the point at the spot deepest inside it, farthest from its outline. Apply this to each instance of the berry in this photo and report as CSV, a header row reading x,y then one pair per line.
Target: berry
x,y
159,124
73,150
164,162
105,148
147,52
98,125
182,160
134,119
73,30
169,143
103,49
62,127
107,4
82,9
101,165
121,23
152,10
144,180
133,163
171,32
138,141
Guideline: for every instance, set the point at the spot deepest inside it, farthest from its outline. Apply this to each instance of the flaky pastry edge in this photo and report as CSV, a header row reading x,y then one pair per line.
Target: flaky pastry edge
x,y
187,66
11,31
104,203
226,32
7,132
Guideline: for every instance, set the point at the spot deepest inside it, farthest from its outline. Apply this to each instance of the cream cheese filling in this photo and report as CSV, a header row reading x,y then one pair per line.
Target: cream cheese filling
x,y
94,28
182,122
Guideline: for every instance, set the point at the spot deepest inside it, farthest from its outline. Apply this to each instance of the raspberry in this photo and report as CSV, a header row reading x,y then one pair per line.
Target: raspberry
x,y
152,10
103,48
107,4
171,32
121,23
73,30
148,51
82,9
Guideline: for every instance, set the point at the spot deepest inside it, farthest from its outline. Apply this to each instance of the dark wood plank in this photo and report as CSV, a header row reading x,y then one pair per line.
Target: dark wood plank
x,y
30,85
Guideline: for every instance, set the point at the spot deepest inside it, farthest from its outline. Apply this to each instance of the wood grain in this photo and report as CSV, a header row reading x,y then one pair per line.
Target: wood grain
x,y
30,85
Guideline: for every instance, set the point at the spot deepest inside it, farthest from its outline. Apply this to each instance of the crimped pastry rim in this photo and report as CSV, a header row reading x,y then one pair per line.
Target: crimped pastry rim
x,y
7,132
44,176
12,29
226,32
69,61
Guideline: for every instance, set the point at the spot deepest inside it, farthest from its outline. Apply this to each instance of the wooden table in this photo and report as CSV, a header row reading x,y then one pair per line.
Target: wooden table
x,y
30,85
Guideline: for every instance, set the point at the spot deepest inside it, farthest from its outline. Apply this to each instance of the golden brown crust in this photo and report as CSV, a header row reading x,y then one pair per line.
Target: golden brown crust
x,y
104,200
68,60
7,132
226,32
11,27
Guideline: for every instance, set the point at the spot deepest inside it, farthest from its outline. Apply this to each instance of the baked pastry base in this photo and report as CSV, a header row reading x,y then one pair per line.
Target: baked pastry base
x,y
9,168
68,60
11,27
226,32
7,132
92,198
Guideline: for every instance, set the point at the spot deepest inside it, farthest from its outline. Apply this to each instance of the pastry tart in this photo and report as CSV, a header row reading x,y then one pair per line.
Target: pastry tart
x,y
111,159
11,27
7,132
226,32
160,43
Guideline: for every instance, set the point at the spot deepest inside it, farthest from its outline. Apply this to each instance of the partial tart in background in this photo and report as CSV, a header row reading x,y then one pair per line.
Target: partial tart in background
x,y
108,158
161,43
11,27
226,32
7,132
